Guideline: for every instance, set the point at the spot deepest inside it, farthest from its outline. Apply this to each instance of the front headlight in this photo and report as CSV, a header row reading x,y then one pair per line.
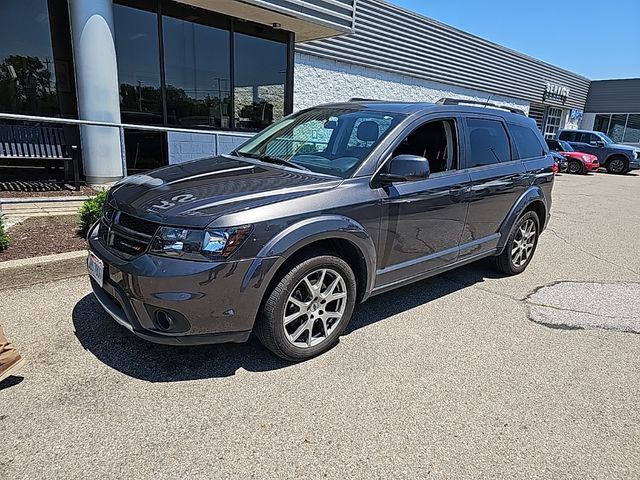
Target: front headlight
x,y
199,245
585,158
636,154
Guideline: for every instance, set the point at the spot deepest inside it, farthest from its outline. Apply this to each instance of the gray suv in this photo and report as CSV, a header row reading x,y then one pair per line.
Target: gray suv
x,y
614,157
320,211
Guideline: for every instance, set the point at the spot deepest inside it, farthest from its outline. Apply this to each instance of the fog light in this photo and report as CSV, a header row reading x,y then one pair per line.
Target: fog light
x,y
163,320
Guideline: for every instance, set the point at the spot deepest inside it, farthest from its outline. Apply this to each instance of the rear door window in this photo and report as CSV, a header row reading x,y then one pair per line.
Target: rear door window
x,y
527,142
568,136
488,143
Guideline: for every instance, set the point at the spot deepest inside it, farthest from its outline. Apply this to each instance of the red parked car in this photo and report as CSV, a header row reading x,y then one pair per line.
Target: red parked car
x,y
579,162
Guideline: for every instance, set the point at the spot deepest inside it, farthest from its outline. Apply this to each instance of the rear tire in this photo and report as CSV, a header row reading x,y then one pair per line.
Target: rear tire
x,y
520,246
308,308
618,165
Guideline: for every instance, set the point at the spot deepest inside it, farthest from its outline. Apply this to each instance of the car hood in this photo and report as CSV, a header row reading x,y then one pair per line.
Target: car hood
x,y
580,155
618,146
195,193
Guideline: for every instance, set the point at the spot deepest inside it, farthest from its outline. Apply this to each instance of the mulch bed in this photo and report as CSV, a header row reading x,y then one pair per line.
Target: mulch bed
x,y
38,236
16,189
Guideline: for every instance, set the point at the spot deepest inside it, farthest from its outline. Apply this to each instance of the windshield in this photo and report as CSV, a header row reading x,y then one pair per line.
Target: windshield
x,y
333,141
566,147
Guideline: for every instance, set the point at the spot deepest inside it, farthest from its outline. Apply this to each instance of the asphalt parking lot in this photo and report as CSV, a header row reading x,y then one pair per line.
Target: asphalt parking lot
x,y
447,378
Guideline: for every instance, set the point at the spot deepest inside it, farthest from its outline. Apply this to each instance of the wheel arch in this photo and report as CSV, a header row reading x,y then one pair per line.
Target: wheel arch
x,y
341,235
532,200
615,155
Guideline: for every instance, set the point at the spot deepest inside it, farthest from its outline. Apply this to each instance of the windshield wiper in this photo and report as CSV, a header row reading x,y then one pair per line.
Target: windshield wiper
x,y
275,160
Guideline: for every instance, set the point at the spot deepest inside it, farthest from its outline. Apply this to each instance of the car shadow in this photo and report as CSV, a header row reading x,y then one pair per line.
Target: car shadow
x,y
121,350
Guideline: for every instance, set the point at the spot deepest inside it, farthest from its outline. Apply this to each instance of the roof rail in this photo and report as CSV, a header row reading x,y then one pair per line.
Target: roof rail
x,y
357,99
487,104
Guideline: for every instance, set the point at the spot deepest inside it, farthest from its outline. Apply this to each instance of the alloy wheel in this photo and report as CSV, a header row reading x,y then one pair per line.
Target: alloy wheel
x,y
314,308
617,165
523,243
574,167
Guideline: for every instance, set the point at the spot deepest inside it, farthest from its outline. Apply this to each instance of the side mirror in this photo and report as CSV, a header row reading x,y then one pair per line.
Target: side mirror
x,y
406,168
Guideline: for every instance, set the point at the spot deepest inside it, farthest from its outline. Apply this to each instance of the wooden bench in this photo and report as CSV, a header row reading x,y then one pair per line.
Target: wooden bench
x,y
42,143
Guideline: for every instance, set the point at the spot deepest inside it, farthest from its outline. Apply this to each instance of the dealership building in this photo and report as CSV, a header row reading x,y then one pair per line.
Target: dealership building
x,y
145,83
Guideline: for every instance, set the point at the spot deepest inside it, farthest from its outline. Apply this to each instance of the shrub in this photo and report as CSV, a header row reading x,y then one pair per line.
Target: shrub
x,y
91,210
4,238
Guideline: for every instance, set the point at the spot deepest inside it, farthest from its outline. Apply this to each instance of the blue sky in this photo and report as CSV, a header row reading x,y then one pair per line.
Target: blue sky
x,y
597,39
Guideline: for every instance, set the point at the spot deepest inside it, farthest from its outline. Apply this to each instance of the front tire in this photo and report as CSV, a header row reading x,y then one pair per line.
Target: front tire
x,y
618,165
575,167
308,308
520,246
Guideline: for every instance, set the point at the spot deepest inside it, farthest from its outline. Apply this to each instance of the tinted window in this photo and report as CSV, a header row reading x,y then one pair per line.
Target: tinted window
x,y
488,141
36,68
527,142
553,145
569,136
137,50
632,133
616,127
197,73
260,73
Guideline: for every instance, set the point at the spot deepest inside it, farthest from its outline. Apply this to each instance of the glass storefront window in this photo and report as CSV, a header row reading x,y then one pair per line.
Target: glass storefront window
x,y
616,127
260,75
178,71
197,74
601,123
36,68
632,132
136,38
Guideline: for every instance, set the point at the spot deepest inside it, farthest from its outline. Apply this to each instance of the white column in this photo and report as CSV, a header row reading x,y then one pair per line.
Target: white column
x,y
96,69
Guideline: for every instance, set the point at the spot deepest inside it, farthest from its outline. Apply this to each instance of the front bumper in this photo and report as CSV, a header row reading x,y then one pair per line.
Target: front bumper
x,y
592,167
634,165
214,302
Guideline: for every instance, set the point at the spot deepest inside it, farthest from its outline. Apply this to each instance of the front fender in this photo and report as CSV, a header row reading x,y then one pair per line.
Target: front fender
x,y
286,243
532,194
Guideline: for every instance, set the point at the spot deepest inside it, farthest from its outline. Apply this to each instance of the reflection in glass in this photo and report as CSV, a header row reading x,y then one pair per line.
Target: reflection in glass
x,y
35,67
616,127
260,74
632,133
197,74
137,51
601,123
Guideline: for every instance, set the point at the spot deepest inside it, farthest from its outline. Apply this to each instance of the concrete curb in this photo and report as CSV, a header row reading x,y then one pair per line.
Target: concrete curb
x,y
28,271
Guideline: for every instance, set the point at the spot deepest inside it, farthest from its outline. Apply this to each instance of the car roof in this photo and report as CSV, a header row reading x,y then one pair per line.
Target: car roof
x,y
410,108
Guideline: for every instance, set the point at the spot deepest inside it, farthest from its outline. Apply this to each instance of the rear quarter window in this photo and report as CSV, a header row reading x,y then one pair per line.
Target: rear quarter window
x,y
528,145
488,142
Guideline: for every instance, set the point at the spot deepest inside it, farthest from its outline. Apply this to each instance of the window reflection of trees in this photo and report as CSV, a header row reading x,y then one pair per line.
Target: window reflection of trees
x,y
27,85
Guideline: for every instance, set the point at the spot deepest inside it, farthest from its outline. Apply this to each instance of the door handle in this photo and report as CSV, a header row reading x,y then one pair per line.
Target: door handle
x,y
457,190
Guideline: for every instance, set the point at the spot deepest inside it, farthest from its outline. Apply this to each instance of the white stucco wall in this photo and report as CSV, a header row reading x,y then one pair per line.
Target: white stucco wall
x,y
185,146
588,121
318,80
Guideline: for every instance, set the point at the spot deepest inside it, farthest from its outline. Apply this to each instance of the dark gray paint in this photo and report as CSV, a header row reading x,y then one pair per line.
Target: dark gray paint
x,y
397,40
396,233
614,96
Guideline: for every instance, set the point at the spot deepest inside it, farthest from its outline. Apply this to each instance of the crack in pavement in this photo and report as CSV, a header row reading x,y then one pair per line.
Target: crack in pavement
x,y
572,310
613,264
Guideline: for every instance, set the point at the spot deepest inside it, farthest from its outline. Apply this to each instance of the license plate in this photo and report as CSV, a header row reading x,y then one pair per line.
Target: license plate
x,y
96,268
